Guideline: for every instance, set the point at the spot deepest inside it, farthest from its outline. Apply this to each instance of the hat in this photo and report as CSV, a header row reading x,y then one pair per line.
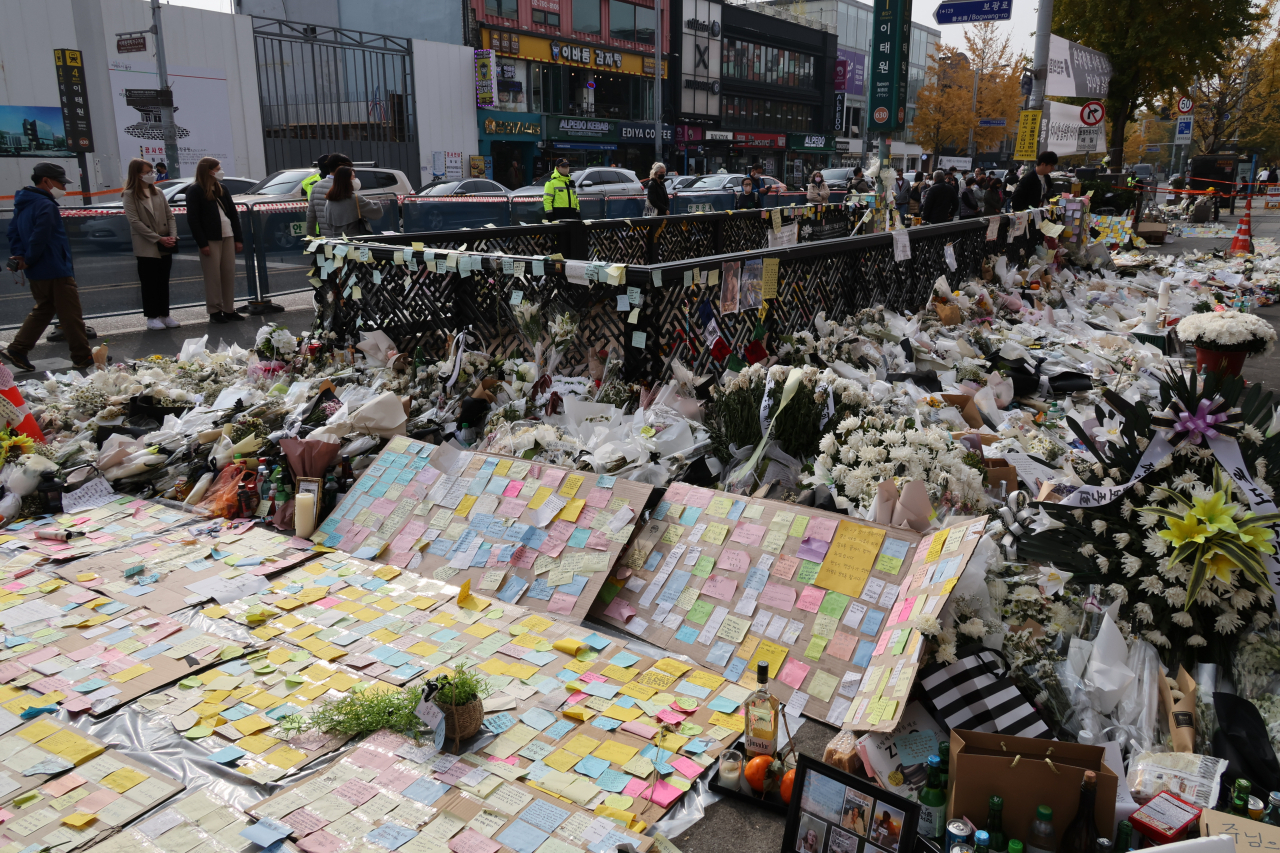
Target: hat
x,y
562,162
50,170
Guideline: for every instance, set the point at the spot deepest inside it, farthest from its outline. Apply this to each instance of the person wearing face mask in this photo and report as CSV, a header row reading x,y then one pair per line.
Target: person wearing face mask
x,y
155,233
40,246
215,226
559,201
818,191
346,212
320,189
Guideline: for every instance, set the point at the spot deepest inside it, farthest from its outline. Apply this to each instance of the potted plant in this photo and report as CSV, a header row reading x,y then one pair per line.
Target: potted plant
x,y
461,698
1223,339
1178,183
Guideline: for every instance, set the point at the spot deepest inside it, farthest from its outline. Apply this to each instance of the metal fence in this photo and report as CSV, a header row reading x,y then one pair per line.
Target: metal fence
x,y
648,313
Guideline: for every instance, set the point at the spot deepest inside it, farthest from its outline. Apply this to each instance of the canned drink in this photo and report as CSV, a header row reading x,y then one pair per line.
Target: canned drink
x,y
1255,808
958,832
961,848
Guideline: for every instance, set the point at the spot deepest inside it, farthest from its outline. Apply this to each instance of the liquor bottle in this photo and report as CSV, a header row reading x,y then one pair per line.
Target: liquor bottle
x,y
1103,845
1015,846
762,716
1272,814
348,478
1081,835
981,841
1240,798
1041,838
330,492
995,825
944,753
933,801
1124,837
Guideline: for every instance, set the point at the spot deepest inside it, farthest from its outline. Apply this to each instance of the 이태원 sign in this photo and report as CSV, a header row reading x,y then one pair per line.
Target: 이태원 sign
x,y
889,53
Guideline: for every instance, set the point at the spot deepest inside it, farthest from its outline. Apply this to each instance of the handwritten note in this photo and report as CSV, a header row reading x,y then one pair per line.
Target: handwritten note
x,y
849,560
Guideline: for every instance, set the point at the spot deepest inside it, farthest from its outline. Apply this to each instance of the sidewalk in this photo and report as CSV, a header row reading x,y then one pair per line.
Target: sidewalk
x,y
127,337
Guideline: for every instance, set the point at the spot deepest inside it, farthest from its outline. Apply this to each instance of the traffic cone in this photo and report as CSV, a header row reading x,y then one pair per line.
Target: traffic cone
x,y
13,409
1242,243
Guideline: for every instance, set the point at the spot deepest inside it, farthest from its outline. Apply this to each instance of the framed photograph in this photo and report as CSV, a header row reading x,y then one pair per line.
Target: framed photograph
x,y
838,812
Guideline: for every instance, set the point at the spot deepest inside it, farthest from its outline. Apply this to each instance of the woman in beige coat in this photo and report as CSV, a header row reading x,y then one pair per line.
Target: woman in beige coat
x,y
155,233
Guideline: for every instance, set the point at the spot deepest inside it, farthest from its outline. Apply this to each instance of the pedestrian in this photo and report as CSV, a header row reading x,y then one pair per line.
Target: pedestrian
x,y
319,189
902,196
817,192
859,182
162,171
941,201
1033,187
559,201
748,199
215,226
39,245
762,187
346,213
657,202
917,189
515,175
991,200
1010,184
970,204
155,235
309,182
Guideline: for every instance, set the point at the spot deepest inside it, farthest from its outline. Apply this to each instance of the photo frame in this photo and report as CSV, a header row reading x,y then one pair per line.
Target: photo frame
x,y
836,812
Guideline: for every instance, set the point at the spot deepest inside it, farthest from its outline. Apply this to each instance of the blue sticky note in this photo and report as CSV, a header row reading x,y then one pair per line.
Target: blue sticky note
x,y
871,622
723,705
544,816
862,657
611,839
265,832
406,670
424,790
522,838
512,590
688,688
719,654
286,710
916,747
601,689
605,481
690,516
687,634
391,835
578,539
606,723
736,512
736,667
136,591
539,658
499,723
895,548
624,659
538,718
574,587
613,780
654,560
661,511
559,730
596,642
91,685
227,754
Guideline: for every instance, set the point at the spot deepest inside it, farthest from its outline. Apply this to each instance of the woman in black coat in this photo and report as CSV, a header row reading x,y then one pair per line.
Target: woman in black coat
x,y
657,202
748,199
215,226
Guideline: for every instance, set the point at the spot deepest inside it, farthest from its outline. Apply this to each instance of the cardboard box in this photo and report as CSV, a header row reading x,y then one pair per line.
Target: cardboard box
x,y
1015,768
1153,232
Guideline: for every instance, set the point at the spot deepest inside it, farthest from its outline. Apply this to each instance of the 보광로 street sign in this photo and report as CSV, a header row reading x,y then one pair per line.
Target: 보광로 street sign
x,y
973,11
992,122
890,48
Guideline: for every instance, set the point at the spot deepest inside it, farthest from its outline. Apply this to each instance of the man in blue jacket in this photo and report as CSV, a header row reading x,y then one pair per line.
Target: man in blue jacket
x,y
40,246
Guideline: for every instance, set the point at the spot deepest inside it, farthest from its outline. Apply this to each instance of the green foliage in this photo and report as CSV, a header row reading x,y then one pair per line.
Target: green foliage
x,y
461,688
1121,199
363,713
1178,183
738,414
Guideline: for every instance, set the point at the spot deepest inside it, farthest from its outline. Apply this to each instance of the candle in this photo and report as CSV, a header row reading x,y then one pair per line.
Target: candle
x,y
304,514
731,769
1153,312
1165,292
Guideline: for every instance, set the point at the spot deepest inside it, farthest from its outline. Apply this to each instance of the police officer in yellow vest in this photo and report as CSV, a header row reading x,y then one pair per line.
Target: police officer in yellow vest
x,y
311,180
559,201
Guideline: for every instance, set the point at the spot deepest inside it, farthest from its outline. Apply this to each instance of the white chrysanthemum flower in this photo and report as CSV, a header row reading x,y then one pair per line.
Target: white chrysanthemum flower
x,y
1242,598
1078,514
1148,519
947,653
1131,564
1121,540
1182,619
1119,592
1261,619
1228,622
1099,526
1142,610
1175,595
1195,641
1026,593
1155,638
1251,433
927,625
1154,545
1087,550
1151,585
1104,565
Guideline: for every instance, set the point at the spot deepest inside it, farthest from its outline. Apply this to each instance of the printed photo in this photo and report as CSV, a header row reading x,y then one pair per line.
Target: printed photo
x,y
750,284
857,811
843,842
822,796
886,826
812,834
729,287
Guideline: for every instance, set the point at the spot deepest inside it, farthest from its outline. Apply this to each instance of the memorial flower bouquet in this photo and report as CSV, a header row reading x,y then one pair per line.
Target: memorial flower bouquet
x,y
1228,331
275,343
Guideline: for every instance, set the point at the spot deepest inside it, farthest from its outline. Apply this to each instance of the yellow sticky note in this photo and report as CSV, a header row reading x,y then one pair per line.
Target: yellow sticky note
x,y
773,653
539,497
582,745
570,486
617,712
572,510
131,673
123,779
286,757
848,563
733,722
79,819
617,753
569,646
561,760
257,744
39,730
466,600
250,724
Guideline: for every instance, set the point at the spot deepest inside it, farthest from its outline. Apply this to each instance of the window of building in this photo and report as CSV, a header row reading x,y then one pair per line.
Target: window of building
x,y
622,20
550,19
646,25
501,8
765,114
586,16
743,60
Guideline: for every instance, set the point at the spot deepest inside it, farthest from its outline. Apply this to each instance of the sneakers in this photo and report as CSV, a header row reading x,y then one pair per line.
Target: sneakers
x,y
169,322
155,324
17,359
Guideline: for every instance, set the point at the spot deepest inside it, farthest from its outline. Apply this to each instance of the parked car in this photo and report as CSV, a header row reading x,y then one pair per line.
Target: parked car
x,y
470,186
680,182
731,182
284,233
596,180
112,231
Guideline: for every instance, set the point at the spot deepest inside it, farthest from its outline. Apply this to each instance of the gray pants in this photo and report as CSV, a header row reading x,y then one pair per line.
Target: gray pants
x,y
219,268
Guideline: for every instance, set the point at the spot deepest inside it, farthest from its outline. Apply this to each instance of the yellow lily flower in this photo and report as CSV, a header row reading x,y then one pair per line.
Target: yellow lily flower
x,y
1188,529
1256,537
1220,566
1216,512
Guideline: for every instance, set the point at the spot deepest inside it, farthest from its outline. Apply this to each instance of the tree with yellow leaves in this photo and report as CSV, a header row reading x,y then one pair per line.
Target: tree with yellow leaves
x,y
944,111
999,72
1238,103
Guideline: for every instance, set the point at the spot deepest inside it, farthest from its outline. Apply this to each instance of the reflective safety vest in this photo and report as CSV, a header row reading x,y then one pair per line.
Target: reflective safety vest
x,y
558,194
309,182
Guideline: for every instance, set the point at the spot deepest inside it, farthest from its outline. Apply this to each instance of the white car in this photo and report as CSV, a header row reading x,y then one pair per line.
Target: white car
x,y
596,180
287,184
112,230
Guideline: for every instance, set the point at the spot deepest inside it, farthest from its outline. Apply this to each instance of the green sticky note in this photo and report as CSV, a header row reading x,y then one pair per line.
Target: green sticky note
x,y
690,729
197,732
816,645
638,339
687,703
542,646
700,612
193,681
494,613
889,565
808,571
229,652
587,654
299,656
29,797
294,679
899,643
833,604
798,525
703,567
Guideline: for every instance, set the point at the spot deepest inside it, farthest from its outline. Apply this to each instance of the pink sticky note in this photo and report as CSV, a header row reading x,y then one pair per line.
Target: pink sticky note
x,y
662,793
676,492
512,760
793,672
11,670
395,779
523,557
598,497
721,587
811,599
634,787
82,596
87,652
40,655
667,715
426,476
699,497
552,546
328,601
58,787
883,644
97,801
597,541
841,646
587,516
372,760
620,610
470,841
821,528
511,508
562,603
551,478
638,728
513,488
748,534
732,560
590,677
785,567
778,596
320,842
686,767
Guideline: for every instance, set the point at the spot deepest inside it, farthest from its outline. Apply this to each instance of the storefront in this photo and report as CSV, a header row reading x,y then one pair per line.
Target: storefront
x,y
717,148
807,152
767,149
636,151
583,141
511,138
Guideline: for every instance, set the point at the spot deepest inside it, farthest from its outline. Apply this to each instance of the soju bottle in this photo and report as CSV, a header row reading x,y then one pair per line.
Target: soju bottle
x,y
995,825
1240,797
944,753
981,841
1272,814
1081,835
1124,837
933,801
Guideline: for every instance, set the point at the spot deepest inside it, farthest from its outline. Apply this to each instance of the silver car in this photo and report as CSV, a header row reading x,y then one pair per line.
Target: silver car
x,y
112,230
596,180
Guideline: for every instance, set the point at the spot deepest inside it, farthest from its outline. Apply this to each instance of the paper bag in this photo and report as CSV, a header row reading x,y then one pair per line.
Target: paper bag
x,y
1000,471
949,314
1180,714
968,411
985,764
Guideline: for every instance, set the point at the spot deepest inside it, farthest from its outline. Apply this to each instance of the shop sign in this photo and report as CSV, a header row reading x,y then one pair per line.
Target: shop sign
x,y
811,142
688,133
760,140
719,136
700,60
547,50
484,78
573,127
504,42
636,131
492,125
890,44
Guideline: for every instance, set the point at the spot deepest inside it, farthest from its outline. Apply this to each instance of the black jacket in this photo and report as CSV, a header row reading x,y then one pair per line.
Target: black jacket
x,y
747,201
991,201
969,204
940,203
657,195
1029,193
202,215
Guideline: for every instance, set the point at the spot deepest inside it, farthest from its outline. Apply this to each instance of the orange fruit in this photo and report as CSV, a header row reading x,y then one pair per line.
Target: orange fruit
x,y
788,779
758,771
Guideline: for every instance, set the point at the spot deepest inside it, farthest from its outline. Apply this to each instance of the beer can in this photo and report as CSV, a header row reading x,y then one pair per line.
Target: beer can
x,y
960,848
958,832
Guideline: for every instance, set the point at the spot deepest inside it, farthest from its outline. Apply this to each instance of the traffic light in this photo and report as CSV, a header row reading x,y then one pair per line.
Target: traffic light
x,y
1026,83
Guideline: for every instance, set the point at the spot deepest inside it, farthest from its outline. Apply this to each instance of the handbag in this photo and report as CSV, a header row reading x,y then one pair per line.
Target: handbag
x,y
976,693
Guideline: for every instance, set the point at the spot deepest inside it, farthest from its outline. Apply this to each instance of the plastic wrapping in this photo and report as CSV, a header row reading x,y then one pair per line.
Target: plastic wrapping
x,y
1191,778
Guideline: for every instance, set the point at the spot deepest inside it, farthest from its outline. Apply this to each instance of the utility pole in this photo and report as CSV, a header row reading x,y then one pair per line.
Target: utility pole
x,y
168,129
657,81
974,110
1040,62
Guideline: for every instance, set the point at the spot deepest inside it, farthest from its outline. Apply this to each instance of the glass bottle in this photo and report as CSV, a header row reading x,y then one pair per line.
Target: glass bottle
x,y
1040,838
348,478
330,492
1103,845
1015,846
1124,837
981,841
1272,814
995,825
1240,798
1081,835
762,716
933,801
944,753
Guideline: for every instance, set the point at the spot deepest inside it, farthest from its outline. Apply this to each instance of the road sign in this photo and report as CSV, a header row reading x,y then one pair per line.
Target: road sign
x,y
973,11
74,94
1028,142
1185,105
887,99
132,44
148,97
992,122
1092,113
1152,149
1183,133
